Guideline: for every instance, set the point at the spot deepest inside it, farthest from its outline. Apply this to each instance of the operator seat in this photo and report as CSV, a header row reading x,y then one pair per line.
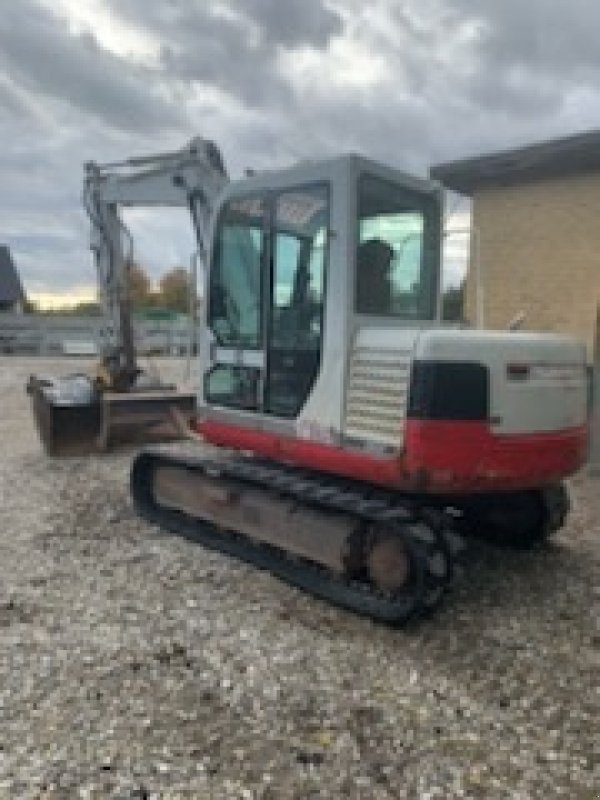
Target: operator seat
x,y
373,280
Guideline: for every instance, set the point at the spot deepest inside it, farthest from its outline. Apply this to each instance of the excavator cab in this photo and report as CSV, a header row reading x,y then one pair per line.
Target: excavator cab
x,y
301,259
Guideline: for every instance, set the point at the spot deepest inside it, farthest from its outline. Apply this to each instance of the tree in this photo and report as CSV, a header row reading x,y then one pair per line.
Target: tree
x,y
83,309
174,291
140,287
87,310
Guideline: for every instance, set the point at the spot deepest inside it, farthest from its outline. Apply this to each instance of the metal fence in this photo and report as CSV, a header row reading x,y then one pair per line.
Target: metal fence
x,y
36,334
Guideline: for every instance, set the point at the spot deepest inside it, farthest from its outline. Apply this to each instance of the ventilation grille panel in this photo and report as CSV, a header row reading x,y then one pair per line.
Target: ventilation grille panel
x,y
377,395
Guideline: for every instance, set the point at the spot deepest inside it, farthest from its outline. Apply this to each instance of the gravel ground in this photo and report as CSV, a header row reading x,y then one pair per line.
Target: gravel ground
x,y
134,664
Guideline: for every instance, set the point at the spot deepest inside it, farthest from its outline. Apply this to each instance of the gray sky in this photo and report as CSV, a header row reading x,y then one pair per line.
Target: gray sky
x,y
411,82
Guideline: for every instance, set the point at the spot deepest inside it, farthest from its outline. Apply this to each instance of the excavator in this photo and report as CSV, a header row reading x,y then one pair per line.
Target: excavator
x,y
357,438
350,439
121,403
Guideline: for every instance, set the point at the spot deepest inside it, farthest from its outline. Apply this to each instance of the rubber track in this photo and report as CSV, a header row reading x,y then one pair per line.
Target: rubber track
x,y
427,533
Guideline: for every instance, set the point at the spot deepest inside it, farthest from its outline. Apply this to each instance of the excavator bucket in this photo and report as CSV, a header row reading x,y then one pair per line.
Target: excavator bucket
x,y
141,417
74,420
65,428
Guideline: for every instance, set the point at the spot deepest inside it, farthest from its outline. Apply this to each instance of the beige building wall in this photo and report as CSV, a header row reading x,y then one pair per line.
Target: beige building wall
x,y
539,247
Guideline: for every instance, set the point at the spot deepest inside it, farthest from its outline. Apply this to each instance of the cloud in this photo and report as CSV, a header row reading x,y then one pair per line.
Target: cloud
x,y
542,37
410,83
39,53
12,103
272,22
235,45
310,22
530,58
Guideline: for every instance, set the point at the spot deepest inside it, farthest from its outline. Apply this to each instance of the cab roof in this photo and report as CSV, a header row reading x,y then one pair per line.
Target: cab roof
x,y
348,165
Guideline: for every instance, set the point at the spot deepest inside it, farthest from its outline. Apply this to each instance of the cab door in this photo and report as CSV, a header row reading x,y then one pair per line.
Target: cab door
x,y
265,303
298,258
235,305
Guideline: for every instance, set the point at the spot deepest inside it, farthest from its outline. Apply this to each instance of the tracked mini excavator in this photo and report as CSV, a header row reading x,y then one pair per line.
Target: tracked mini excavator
x,y
121,403
359,438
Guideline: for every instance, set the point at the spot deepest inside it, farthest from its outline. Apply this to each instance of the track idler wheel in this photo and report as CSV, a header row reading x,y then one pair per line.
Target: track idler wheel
x,y
518,519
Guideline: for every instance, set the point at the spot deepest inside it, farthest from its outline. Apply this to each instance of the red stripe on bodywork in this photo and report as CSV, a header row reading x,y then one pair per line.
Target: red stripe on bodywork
x,y
468,456
439,456
303,452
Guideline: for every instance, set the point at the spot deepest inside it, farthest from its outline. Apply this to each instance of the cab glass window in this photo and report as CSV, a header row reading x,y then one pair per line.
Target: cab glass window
x,y
301,219
398,250
235,387
235,282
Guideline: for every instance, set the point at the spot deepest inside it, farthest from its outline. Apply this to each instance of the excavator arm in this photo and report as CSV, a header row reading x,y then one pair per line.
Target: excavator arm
x,y
192,177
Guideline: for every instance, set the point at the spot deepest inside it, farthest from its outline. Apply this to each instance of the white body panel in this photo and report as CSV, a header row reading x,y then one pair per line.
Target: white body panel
x,y
552,397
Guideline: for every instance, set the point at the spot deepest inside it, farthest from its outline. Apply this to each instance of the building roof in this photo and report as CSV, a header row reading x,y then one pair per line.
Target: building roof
x,y
11,288
551,159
